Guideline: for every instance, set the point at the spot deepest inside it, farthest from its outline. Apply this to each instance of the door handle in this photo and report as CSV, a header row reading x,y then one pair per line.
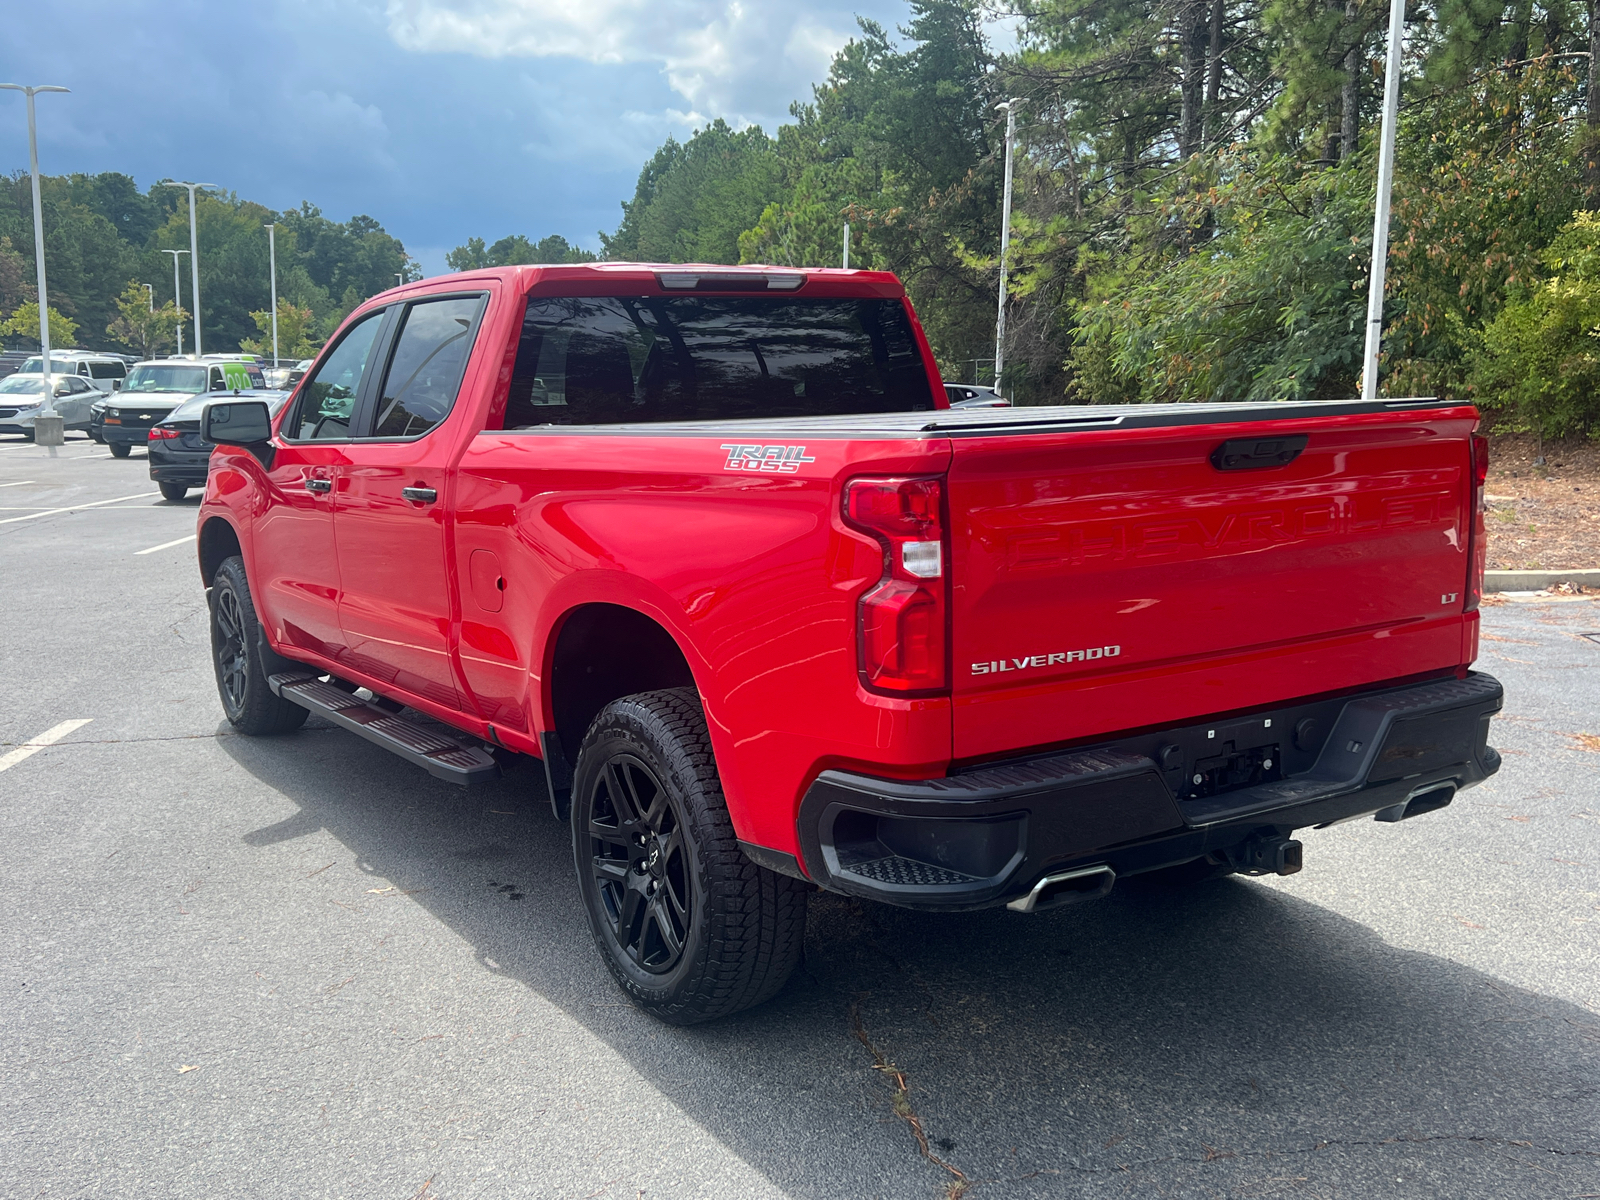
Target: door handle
x,y
420,495
319,485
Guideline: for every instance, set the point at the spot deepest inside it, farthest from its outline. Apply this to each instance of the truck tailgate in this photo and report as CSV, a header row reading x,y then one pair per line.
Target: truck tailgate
x,y
1107,580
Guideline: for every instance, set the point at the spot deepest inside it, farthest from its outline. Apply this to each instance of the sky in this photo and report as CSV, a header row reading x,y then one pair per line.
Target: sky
x,y
441,119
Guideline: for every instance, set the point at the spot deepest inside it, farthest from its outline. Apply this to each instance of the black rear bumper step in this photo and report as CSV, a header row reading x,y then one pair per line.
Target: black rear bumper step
x,y
439,755
984,836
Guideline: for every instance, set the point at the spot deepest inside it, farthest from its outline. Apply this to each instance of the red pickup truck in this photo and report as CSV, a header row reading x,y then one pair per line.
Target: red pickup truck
x,y
710,545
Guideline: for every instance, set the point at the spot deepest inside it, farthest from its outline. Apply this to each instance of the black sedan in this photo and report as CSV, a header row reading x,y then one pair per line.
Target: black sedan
x,y
179,460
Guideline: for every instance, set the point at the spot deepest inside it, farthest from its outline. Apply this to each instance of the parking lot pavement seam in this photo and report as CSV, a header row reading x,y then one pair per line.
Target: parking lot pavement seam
x,y
32,746
904,1109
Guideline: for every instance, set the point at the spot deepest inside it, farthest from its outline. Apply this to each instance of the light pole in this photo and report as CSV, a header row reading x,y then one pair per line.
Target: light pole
x,y
150,294
1380,216
272,267
399,278
1005,239
177,298
194,256
847,245
49,410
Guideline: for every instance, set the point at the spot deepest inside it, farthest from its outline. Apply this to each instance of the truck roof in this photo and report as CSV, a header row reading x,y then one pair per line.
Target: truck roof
x,y
670,279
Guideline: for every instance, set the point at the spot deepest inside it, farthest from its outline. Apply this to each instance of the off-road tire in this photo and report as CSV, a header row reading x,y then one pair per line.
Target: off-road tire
x,y
119,449
745,925
173,491
243,660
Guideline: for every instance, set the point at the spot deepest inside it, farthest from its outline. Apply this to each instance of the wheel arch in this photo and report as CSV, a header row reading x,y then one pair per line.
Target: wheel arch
x,y
218,541
601,652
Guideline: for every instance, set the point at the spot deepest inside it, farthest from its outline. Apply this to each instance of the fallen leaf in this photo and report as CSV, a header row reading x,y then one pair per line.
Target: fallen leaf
x,y
1112,1141
1467,923
1585,741
1519,818
381,891
183,1069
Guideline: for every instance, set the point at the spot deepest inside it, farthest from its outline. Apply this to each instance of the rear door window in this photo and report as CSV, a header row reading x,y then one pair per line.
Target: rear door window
x,y
328,398
611,360
107,370
425,370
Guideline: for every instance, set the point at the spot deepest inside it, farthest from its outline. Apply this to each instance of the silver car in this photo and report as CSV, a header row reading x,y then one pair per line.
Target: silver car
x,y
22,399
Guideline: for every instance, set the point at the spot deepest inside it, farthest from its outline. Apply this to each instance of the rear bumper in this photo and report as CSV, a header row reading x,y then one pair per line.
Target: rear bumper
x,y
135,436
986,836
186,468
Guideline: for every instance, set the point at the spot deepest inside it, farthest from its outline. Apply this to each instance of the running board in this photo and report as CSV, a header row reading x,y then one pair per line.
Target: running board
x,y
439,755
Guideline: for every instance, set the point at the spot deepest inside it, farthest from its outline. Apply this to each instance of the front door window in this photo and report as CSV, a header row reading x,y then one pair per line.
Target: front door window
x,y
328,399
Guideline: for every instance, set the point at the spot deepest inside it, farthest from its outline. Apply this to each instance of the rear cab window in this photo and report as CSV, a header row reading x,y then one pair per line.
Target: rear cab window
x,y
604,360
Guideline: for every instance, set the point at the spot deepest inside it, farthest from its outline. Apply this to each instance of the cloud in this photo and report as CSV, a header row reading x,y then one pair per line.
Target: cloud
x,y
740,59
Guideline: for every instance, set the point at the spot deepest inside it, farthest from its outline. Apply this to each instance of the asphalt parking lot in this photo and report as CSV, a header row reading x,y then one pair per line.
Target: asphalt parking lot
x,y
298,967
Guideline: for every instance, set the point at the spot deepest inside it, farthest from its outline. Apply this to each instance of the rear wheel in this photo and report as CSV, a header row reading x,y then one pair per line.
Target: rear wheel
x,y
120,449
175,492
689,927
243,660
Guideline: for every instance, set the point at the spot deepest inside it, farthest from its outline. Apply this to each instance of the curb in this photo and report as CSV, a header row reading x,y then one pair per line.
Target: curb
x,y
1534,581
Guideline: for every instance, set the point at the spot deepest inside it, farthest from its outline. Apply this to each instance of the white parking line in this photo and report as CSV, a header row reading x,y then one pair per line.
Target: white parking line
x,y
50,512
17,483
29,748
167,545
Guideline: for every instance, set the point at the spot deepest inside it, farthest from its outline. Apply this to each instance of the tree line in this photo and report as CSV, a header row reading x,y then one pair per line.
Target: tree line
x,y
1194,192
104,239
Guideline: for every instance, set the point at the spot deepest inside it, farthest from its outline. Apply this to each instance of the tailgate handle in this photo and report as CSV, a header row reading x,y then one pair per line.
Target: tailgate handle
x,y
1252,454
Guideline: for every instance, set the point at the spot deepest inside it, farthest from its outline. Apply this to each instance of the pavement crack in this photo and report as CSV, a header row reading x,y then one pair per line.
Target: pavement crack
x,y
903,1108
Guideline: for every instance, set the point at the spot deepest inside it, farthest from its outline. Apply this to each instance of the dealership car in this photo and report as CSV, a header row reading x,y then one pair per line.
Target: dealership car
x,y
178,457
154,389
22,400
103,372
974,395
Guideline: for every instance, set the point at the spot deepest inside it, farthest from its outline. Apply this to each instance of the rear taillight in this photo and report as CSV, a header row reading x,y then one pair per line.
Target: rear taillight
x,y
1477,537
158,434
901,625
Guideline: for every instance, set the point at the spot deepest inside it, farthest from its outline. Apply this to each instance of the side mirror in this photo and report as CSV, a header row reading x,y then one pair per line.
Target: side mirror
x,y
236,423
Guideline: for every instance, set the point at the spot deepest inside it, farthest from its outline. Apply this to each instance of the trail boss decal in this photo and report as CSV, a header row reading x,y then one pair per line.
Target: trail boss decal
x,y
1045,660
781,460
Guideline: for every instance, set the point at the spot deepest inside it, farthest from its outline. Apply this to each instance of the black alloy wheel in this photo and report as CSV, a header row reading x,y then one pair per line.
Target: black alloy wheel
x,y
640,864
243,660
689,927
233,663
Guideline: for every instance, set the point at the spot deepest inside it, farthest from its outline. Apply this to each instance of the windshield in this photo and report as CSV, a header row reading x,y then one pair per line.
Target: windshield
x,y
155,377
58,366
14,385
605,360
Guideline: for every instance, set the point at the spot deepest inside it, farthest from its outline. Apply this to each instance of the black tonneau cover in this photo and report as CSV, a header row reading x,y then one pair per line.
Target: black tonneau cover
x,y
991,422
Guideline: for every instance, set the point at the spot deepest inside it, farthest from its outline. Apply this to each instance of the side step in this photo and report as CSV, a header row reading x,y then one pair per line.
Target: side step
x,y
440,756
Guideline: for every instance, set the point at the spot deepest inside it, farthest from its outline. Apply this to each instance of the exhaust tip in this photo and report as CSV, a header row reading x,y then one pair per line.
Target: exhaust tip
x,y
1425,800
1066,887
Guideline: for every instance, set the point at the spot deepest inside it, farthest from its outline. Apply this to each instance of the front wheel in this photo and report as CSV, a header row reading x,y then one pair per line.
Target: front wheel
x,y
173,491
243,660
120,449
689,927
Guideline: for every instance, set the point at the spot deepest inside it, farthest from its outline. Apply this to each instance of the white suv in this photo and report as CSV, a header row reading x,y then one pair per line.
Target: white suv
x,y
103,372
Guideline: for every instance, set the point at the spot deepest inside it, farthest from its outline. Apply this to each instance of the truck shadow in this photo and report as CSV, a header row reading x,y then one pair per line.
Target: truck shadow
x,y
1232,1039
